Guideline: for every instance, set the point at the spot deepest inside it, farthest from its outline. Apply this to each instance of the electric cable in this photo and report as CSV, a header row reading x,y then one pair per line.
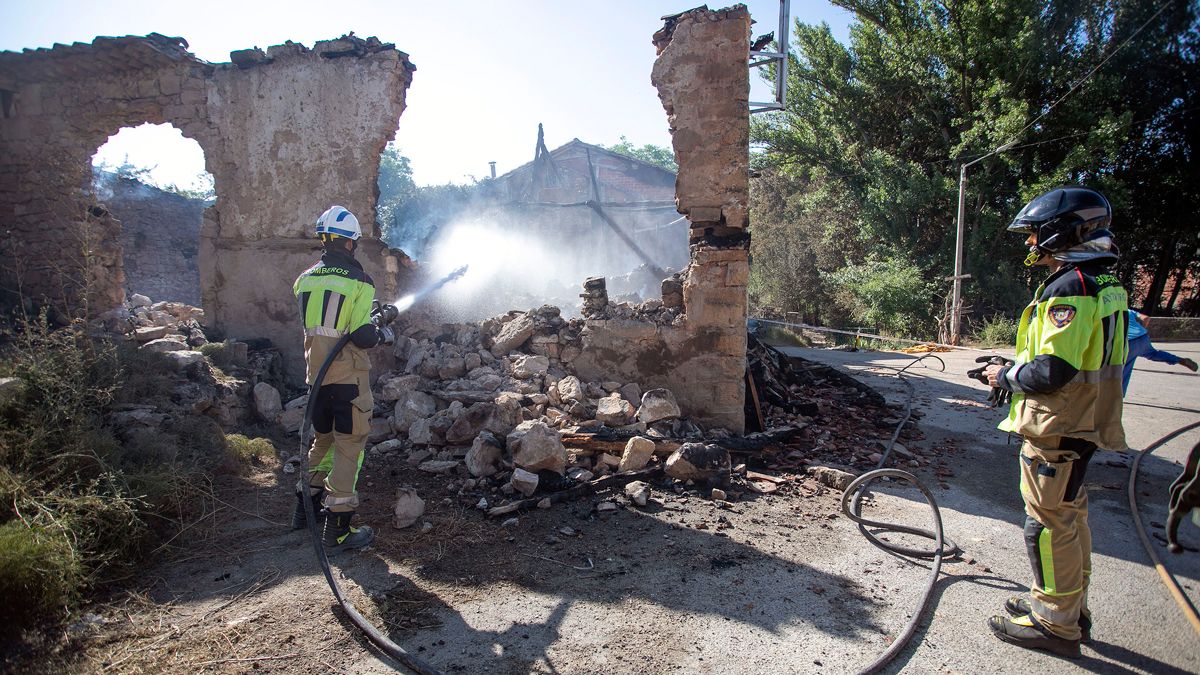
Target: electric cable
x,y
1181,598
310,518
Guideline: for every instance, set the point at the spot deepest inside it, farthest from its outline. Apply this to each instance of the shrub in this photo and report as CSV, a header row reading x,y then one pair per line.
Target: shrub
x,y
890,294
997,331
222,355
38,566
246,451
77,503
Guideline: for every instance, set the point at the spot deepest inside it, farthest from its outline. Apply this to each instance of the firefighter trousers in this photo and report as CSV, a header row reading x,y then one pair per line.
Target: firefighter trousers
x,y
342,421
1057,536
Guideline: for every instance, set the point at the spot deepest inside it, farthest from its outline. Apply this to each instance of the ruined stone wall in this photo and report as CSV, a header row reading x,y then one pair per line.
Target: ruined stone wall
x,y
60,106
160,239
703,82
285,133
296,132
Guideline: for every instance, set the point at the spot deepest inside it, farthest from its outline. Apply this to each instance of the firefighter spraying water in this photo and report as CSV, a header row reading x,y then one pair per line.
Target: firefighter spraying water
x,y
342,320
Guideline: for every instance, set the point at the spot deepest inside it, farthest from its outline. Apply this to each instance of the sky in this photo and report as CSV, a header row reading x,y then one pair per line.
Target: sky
x,y
488,71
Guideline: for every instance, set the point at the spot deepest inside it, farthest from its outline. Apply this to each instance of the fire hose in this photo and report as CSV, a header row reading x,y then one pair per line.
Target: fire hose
x,y
1177,594
373,634
943,548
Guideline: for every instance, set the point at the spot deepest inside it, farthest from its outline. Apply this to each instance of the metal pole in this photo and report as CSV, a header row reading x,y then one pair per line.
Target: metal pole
x,y
956,300
785,8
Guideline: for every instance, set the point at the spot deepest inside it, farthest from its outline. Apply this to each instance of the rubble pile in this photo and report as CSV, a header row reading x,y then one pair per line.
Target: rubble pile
x,y
845,423
217,383
666,310
496,408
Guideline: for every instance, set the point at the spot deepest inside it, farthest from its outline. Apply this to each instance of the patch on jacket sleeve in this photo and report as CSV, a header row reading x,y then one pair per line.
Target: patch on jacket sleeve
x,y
1061,315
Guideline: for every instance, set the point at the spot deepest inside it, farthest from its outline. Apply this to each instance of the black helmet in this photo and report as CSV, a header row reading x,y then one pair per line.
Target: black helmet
x,y
1063,218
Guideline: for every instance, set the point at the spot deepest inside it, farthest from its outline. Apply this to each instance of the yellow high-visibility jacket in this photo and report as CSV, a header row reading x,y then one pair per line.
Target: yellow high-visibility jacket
x,y
1071,348
335,297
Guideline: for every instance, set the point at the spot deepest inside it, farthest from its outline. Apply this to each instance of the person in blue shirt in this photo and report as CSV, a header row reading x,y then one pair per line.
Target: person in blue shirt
x,y
1140,345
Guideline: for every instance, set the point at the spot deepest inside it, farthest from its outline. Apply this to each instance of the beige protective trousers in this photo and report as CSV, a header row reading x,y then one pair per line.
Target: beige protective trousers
x,y
342,421
1056,529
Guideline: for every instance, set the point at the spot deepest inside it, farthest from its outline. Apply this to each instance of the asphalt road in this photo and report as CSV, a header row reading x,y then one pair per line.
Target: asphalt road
x,y
1138,627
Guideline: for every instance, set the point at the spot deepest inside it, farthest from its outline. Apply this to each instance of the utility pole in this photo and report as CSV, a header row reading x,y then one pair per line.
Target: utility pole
x,y
956,299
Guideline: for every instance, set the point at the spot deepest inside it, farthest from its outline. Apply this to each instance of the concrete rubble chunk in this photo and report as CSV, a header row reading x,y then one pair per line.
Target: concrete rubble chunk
x,y
394,388
657,404
267,402
291,419
389,445
632,393
513,335
139,300
638,492
524,481
438,465
151,333
408,508
525,366
483,458
182,359
832,477
410,407
614,411
474,419
381,429
571,389
611,461
698,462
638,451
537,447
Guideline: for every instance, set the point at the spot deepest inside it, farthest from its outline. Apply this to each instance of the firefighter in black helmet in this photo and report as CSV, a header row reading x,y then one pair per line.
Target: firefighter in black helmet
x,y
1066,402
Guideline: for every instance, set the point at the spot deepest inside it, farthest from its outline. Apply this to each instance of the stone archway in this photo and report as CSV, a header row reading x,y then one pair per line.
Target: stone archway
x,y
286,132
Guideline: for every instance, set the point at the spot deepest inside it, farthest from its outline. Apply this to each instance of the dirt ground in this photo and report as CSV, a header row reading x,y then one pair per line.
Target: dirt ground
x,y
777,582
685,584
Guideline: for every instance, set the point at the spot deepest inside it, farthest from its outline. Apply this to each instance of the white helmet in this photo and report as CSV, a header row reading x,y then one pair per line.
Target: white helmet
x,y
338,221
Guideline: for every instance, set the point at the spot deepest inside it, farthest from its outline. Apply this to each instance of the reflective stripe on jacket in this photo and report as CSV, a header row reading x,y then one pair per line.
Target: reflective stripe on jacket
x,y
335,297
1071,349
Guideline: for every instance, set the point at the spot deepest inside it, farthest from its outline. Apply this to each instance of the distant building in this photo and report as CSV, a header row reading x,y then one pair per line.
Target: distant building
x,y
564,194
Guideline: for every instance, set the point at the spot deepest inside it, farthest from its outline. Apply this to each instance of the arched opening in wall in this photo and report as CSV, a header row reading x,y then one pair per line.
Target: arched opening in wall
x,y
153,180
532,235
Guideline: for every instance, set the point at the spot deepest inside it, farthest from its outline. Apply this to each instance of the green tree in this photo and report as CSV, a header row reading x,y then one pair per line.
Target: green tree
x,y
653,154
396,184
874,131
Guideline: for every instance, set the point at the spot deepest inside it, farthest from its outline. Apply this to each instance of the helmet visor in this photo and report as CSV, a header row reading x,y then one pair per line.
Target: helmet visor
x,y
1037,212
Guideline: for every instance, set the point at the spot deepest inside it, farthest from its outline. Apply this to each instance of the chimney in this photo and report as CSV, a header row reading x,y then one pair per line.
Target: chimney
x,y
493,165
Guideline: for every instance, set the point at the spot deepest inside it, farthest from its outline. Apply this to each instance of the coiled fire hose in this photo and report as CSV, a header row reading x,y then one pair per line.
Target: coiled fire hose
x,y
943,548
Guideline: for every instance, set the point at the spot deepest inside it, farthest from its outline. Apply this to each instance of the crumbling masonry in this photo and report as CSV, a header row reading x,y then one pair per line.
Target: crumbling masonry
x,y
289,131
285,133
704,85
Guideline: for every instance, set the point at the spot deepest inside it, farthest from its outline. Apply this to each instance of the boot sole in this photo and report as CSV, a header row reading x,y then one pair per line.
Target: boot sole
x,y
1043,644
1014,611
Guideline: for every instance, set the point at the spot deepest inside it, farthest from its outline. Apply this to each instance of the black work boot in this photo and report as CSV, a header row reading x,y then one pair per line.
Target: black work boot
x,y
1025,631
299,522
1018,605
339,536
